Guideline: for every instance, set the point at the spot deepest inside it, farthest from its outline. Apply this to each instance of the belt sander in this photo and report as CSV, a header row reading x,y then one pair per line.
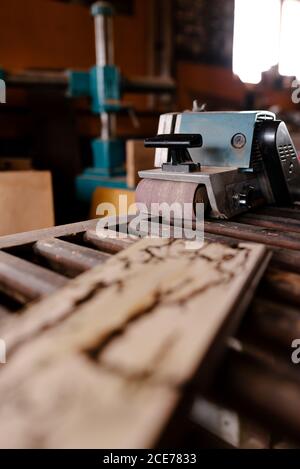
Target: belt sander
x,y
230,161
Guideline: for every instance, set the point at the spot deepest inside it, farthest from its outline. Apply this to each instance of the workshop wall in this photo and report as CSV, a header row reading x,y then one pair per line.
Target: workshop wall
x,y
45,128
203,33
50,34
191,38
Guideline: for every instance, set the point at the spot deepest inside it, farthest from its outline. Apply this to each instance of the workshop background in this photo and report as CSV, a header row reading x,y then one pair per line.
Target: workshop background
x,y
168,52
112,341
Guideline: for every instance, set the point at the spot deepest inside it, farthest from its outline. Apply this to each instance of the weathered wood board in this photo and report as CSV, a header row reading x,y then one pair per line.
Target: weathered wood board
x,y
103,361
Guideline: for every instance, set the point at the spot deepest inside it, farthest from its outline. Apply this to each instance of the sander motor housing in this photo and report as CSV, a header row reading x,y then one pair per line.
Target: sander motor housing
x,y
237,160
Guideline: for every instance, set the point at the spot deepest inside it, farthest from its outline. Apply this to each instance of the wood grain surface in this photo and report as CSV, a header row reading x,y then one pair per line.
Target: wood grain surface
x,y
103,361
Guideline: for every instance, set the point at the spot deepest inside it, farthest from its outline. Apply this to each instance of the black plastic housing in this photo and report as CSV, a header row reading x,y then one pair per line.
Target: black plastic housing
x,y
280,160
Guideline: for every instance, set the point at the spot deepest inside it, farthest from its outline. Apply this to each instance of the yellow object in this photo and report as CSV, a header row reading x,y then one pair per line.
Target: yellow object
x,y
121,201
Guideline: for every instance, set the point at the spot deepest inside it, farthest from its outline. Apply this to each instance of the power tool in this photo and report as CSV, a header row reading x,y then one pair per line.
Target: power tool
x,y
230,161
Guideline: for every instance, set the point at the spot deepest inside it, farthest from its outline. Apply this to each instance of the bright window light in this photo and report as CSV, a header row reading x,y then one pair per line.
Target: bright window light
x,y
289,63
256,38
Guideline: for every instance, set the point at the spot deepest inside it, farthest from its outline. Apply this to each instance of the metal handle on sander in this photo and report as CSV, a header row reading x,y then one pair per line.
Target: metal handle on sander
x,y
179,159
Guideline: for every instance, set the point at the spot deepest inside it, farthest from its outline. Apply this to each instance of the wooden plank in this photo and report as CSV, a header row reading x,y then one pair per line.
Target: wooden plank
x,y
73,404
154,344
138,158
283,278
25,201
70,258
25,281
283,258
161,304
